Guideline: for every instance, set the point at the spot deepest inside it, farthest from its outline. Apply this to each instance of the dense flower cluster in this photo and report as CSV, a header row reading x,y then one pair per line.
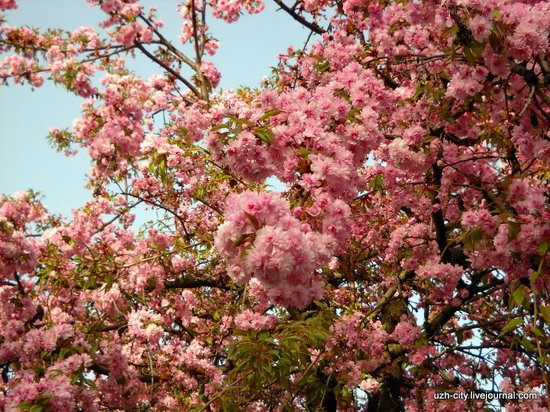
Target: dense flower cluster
x,y
261,239
407,252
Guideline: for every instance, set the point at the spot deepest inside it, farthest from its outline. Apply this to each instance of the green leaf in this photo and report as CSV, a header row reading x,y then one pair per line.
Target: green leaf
x,y
495,41
419,92
377,183
352,114
219,127
271,113
477,48
64,352
513,230
519,295
254,220
265,135
240,121
543,248
528,345
240,240
533,277
511,325
469,56
545,311
161,168
472,238
322,66
536,331
303,152
270,341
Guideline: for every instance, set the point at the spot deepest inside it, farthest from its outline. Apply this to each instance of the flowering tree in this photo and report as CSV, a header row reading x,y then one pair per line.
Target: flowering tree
x,y
407,254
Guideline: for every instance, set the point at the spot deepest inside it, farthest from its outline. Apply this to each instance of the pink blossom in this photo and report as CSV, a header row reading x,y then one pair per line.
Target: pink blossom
x,y
481,27
252,320
369,385
405,332
7,4
211,73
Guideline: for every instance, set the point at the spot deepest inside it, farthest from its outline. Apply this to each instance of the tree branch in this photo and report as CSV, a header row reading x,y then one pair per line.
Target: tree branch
x,y
188,283
310,25
168,69
104,370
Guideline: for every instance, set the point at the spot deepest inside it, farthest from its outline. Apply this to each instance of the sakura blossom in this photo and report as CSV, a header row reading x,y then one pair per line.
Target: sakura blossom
x,y
367,229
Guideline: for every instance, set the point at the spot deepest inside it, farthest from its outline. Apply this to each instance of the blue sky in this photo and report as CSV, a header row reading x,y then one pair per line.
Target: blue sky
x,y
248,48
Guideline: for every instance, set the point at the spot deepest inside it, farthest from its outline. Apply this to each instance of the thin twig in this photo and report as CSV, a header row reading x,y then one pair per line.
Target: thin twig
x,y
310,25
168,69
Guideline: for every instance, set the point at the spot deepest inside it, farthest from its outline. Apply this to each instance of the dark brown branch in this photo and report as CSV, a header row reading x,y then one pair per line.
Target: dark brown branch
x,y
108,328
404,276
433,327
457,140
168,69
116,217
198,54
19,284
528,75
155,204
165,42
104,370
310,25
188,283
388,81
437,216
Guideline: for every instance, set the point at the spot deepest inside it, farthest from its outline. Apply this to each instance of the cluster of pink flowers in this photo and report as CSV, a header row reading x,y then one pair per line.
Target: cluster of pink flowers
x,y
230,10
367,339
261,239
20,70
480,218
249,319
406,332
134,32
211,73
443,276
369,385
466,82
246,156
113,132
7,4
410,141
18,252
313,130
144,326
